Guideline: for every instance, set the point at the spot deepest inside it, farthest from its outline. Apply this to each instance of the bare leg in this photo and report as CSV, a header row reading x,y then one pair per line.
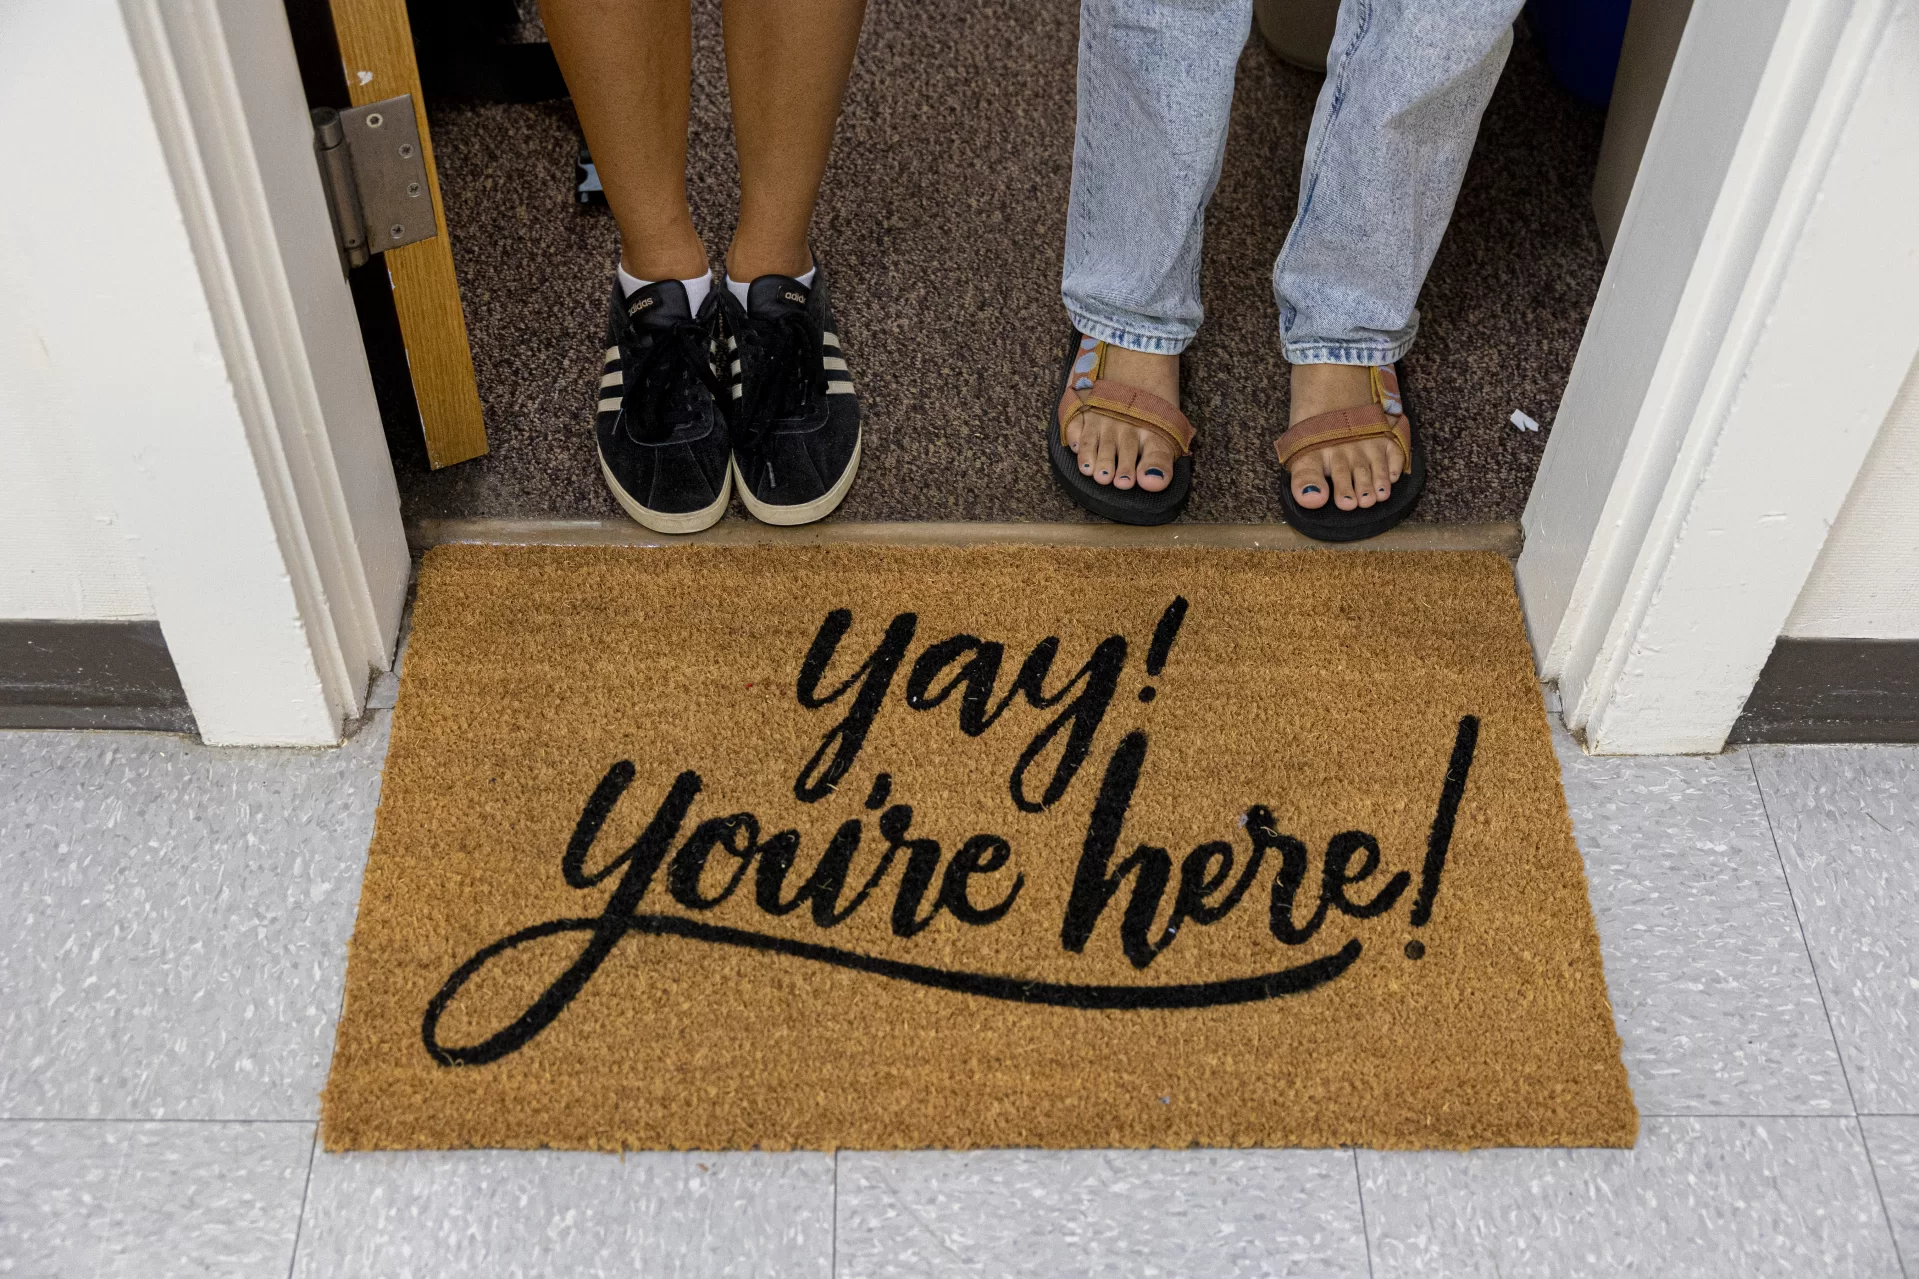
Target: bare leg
x,y
787,63
629,67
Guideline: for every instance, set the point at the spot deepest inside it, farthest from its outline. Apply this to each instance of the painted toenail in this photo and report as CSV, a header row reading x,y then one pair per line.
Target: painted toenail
x,y
1310,488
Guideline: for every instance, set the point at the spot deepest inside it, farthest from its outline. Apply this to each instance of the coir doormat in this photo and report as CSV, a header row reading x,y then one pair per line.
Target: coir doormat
x,y
776,847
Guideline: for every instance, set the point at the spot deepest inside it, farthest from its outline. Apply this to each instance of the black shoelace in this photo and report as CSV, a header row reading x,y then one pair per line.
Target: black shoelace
x,y
783,355
665,373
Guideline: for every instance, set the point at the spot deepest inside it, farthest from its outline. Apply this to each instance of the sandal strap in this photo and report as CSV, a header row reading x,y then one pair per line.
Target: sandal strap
x,y
1361,422
1127,404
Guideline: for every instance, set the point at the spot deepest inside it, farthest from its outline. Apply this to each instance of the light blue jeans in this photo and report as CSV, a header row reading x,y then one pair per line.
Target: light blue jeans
x,y
1405,88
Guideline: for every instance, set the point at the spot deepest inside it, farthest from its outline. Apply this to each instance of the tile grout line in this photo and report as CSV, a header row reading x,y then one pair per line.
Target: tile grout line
x,y
1365,1235
314,1123
314,1120
113,1207
1839,1050
313,1147
306,1188
1865,1143
135,1119
1715,1114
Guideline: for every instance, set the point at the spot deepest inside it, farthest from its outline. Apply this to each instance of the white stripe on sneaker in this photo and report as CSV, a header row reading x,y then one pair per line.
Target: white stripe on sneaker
x,y
612,355
610,405
834,363
615,378
839,388
739,392
831,339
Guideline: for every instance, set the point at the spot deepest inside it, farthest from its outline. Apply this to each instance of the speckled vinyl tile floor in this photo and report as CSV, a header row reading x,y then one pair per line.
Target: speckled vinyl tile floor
x,y
171,953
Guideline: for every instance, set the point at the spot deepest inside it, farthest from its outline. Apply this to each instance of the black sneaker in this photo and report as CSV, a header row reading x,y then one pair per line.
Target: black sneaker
x,y
795,419
662,437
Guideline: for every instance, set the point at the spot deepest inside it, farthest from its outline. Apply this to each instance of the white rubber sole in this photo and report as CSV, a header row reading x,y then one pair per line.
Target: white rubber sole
x,y
806,512
670,521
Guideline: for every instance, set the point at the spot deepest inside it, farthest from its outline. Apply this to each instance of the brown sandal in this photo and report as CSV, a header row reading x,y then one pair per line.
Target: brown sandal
x,y
1388,417
1083,390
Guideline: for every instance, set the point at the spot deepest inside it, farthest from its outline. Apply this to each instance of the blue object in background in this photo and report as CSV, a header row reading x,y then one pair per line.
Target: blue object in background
x,y
1582,40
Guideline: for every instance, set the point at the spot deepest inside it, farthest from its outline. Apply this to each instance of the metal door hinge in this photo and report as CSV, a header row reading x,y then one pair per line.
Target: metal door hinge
x,y
374,173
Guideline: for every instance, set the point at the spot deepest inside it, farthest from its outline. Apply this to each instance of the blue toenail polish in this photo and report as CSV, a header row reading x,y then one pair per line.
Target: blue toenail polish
x,y
1310,488
1155,471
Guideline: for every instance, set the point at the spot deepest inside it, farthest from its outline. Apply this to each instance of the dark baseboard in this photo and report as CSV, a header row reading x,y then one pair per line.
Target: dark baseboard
x,y
89,675
1834,690
118,675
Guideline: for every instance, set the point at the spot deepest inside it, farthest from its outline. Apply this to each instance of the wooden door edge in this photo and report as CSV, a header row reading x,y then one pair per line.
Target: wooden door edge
x,y
376,52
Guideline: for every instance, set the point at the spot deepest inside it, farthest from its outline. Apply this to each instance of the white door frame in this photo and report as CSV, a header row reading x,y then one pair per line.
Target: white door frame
x,y
1751,332
1676,515
264,505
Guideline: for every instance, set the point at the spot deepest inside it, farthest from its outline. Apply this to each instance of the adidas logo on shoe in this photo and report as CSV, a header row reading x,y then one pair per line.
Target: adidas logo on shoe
x,y
662,439
795,418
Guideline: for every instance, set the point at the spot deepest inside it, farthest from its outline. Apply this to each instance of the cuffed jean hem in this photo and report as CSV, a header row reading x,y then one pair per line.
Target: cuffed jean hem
x,y
1148,343
1346,352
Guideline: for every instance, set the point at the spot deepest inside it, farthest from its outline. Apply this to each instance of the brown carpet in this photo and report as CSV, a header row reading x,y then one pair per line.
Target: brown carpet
x,y
942,224
763,848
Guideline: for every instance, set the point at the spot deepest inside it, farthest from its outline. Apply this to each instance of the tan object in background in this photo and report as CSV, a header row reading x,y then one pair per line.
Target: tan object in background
x,y
376,48
1325,887
1653,30
1299,31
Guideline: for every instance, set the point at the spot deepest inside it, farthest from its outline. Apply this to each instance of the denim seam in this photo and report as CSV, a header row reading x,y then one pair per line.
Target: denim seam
x,y
1113,335
1345,352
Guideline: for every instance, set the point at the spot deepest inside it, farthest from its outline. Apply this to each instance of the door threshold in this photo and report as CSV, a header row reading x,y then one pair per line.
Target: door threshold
x,y
1502,537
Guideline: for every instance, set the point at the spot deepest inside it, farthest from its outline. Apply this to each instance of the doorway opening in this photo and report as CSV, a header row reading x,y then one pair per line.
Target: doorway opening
x,y
945,202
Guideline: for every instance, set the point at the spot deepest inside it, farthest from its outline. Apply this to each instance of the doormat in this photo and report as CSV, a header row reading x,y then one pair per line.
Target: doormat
x,y
782,847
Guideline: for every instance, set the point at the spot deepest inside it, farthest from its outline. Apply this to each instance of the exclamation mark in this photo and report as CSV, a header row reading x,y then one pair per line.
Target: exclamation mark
x,y
1465,742
1163,636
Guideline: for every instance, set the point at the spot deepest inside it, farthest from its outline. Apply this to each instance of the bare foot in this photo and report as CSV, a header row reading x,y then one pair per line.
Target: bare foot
x,y
1358,475
1119,453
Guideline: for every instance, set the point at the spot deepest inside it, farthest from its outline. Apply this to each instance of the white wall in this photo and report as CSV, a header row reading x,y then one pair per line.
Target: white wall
x,y
179,350
62,552
1865,584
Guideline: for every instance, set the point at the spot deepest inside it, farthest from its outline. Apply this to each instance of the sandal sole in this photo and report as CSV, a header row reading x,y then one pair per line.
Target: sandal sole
x,y
1330,524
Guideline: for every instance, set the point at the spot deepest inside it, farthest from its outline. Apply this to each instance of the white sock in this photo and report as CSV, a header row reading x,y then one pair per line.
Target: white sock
x,y
739,290
696,288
